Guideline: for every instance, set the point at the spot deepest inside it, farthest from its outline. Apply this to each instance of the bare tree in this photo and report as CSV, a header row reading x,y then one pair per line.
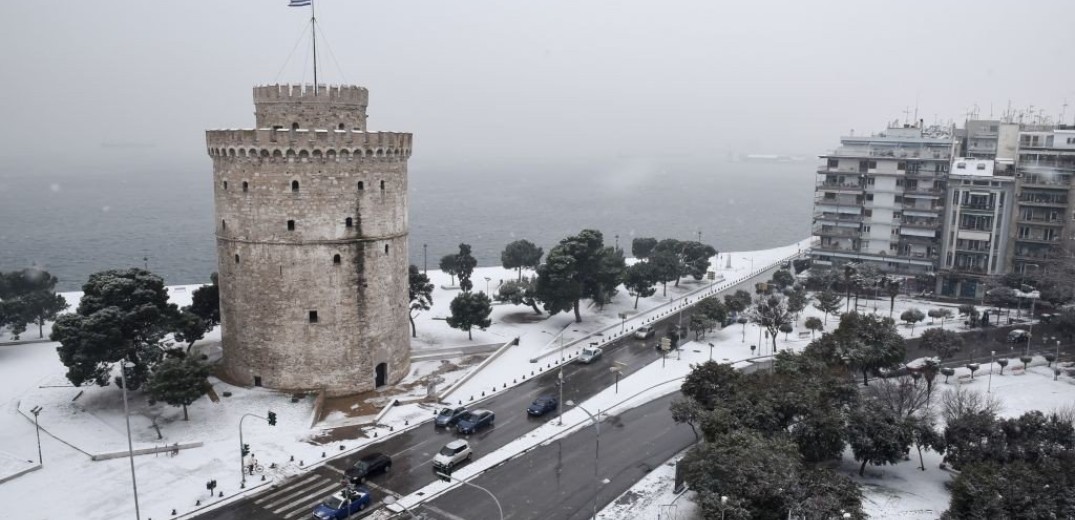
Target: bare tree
x,y
964,401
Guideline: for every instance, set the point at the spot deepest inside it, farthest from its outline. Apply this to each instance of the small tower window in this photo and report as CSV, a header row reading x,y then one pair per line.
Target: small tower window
x,y
225,185
313,316
386,249
382,185
291,225
361,185
349,222
223,224
236,258
336,259
341,127
294,186
246,186
294,126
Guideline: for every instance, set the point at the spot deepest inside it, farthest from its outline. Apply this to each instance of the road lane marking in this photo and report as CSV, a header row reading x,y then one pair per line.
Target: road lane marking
x,y
290,497
304,508
317,494
289,487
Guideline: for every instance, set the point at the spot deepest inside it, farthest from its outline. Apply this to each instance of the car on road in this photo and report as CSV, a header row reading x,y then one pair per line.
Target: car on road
x,y
367,466
644,332
1018,336
343,504
589,355
448,417
474,421
542,405
452,454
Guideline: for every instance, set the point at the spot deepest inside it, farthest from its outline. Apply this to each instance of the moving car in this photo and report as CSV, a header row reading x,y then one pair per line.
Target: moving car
x,y
542,405
474,421
371,464
644,332
452,454
1018,336
448,417
589,355
343,504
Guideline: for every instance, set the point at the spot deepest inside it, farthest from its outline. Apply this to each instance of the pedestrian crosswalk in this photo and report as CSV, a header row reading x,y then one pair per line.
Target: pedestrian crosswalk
x,y
298,498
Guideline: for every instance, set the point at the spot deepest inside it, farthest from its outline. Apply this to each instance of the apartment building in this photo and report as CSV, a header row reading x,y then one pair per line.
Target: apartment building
x,y
1044,212
879,199
977,224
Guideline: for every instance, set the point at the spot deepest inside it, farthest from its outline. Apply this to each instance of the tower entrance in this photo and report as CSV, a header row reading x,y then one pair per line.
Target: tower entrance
x,y
382,375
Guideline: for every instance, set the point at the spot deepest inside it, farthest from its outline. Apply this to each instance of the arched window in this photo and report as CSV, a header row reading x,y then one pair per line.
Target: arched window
x,y
361,185
223,224
341,127
295,186
386,249
382,185
246,186
236,258
225,185
336,259
349,222
291,225
294,126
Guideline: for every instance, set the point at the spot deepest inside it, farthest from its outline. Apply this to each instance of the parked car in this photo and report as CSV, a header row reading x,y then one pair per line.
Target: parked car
x,y
448,417
644,332
369,465
343,504
452,455
1018,336
589,354
474,421
542,405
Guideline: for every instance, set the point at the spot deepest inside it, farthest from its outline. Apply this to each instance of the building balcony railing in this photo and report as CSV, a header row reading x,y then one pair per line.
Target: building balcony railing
x,y
963,250
836,231
1045,185
1038,239
920,223
838,217
836,246
916,207
973,269
845,170
839,187
1042,201
1041,221
1030,256
923,191
976,207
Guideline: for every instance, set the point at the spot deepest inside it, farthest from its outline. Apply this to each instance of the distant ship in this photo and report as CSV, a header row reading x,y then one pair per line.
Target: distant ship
x,y
764,157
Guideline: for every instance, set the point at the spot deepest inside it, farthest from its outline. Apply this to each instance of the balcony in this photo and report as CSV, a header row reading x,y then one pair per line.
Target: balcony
x,y
915,239
977,207
923,207
836,246
836,231
838,217
1036,200
1041,221
1039,239
837,187
930,224
971,269
1040,183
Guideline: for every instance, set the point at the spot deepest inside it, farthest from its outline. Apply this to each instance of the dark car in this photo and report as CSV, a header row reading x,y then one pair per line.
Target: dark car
x,y
449,416
474,421
542,405
369,465
343,504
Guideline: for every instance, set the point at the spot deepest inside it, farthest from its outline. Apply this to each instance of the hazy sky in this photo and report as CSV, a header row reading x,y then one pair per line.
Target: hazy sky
x,y
497,82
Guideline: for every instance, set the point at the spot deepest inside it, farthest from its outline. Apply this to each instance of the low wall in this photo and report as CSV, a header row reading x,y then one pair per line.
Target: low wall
x,y
146,451
19,473
478,368
453,352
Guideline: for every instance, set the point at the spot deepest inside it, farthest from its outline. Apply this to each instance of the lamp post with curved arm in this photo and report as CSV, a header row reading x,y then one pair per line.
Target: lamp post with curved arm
x,y
453,479
597,450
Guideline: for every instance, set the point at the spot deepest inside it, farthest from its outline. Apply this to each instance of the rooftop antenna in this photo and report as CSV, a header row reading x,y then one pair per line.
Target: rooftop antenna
x,y
906,114
313,31
1063,110
916,107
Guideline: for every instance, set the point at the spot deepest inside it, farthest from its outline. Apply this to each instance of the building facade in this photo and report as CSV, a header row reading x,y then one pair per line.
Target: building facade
x,y
311,228
879,199
977,224
1044,212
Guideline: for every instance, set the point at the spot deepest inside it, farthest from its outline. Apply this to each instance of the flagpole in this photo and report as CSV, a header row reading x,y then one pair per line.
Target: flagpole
x,y
313,31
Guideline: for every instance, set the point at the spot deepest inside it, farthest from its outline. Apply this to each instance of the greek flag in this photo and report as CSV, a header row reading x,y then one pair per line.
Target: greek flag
x,y
299,3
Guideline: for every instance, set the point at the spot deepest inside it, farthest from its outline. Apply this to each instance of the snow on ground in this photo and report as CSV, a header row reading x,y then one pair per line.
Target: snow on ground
x,y
653,498
80,422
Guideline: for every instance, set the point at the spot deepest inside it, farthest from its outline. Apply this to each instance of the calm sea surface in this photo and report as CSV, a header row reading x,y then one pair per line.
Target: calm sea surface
x,y
77,222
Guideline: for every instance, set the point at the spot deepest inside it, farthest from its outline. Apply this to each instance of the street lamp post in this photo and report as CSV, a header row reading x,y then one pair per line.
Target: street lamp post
x,y
130,444
723,505
711,352
989,388
487,284
1030,337
617,242
596,453
425,260
751,263
36,410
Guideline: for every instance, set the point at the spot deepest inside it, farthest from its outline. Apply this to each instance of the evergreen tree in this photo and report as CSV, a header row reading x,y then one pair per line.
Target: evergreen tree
x,y
911,317
28,296
179,381
519,292
420,292
864,342
783,278
520,254
639,280
797,299
878,436
206,302
576,268
813,324
189,327
892,288
944,343
642,247
828,302
470,310
465,264
713,309
738,302
449,264
124,314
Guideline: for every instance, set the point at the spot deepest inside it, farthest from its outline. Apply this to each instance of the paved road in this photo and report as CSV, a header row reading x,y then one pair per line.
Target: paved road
x,y
412,451
557,480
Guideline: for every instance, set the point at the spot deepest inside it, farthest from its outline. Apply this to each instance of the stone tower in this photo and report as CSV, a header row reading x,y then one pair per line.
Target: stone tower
x,y
311,228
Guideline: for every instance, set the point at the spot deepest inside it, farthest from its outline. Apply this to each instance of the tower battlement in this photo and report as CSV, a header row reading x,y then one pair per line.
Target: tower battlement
x,y
298,106
273,142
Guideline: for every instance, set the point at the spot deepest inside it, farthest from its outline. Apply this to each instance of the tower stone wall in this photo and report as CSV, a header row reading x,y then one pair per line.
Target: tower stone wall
x,y
311,227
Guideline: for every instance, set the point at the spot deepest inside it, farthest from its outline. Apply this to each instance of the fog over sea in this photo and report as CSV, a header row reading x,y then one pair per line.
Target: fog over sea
x,y
83,220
